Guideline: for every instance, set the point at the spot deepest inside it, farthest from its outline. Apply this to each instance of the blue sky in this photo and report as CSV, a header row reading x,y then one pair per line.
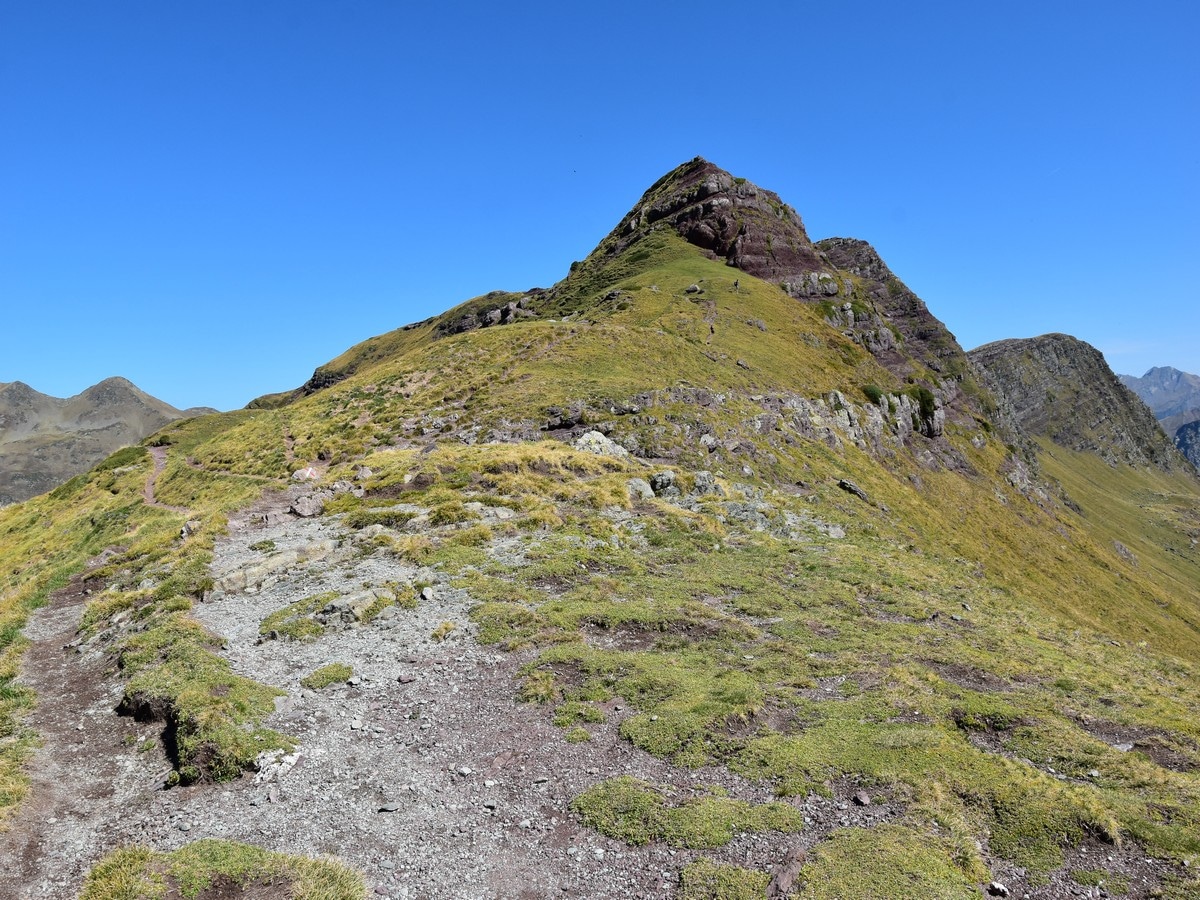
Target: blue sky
x,y
211,199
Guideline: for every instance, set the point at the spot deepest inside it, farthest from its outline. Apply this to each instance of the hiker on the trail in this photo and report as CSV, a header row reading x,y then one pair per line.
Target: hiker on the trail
x,y
735,284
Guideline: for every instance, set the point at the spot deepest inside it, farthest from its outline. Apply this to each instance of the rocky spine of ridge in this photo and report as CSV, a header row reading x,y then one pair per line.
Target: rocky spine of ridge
x,y
753,230
899,319
730,219
1061,388
46,440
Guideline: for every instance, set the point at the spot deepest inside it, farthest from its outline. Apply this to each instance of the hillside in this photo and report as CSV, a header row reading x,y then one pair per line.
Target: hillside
x,y
1174,397
716,565
46,440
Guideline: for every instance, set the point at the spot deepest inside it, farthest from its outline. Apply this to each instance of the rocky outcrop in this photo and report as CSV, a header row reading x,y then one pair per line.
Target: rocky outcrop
x,y
890,320
45,440
733,220
1187,439
1061,388
506,311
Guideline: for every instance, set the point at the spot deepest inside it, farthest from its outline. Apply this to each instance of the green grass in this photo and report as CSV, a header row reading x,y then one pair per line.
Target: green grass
x,y
706,880
138,873
295,622
635,812
958,643
326,675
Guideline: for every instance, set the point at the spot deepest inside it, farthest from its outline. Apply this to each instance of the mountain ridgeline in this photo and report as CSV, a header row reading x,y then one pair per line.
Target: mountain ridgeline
x,y
46,440
1174,398
718,563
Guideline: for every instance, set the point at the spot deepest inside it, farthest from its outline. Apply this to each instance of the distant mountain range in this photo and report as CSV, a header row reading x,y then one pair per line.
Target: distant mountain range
x,y
1174,398
45,440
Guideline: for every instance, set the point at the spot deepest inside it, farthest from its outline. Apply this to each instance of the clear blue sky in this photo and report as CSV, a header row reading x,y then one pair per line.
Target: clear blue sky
x,y
213,198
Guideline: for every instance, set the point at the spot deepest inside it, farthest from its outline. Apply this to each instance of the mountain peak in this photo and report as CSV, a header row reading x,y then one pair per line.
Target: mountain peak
x,y
1061,388
729,218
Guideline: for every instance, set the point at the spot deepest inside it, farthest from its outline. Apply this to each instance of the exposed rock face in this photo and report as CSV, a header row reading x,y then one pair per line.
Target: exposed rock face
x,y
900,318
1061,388
46,440
1187,439
506,311
731,219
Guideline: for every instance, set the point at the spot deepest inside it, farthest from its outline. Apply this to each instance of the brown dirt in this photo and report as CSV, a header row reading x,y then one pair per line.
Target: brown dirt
x,y
1154,743
225,888
87,752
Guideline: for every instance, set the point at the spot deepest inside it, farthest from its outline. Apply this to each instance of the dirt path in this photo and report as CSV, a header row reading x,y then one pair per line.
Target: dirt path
x,y
159,455
87,765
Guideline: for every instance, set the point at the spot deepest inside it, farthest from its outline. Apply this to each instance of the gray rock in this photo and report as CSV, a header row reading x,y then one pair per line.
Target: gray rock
x,y
663,484
706,483
308,506
1125,553
783,878
595,442
639,489
852,488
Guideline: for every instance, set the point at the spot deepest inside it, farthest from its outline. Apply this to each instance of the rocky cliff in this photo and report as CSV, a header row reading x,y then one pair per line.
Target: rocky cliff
x,y
45,440
1061,388
733,220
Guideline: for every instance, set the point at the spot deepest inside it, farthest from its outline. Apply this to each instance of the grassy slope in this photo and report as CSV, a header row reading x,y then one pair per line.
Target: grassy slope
x,y
1047,590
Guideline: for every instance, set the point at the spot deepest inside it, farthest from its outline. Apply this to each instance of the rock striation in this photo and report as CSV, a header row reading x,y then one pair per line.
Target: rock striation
x,y
732,219
1061,388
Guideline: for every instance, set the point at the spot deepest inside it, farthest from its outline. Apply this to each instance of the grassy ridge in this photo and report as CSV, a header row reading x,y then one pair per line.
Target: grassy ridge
x,y
965,649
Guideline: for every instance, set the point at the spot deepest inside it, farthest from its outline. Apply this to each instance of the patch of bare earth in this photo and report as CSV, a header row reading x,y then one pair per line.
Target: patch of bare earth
x,y
87,768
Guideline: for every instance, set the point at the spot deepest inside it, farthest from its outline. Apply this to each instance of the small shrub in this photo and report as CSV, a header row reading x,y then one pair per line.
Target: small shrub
x,y
873,393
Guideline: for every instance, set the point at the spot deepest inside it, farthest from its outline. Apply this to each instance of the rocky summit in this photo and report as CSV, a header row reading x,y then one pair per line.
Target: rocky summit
x,y
715,570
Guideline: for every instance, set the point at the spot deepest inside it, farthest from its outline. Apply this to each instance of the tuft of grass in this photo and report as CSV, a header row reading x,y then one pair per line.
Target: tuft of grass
x,y
631,810
884,861
443,631
704,879
326,675
138,873
295,621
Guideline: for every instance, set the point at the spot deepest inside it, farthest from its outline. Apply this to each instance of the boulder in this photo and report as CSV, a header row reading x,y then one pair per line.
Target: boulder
x,y
595,442
308,506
